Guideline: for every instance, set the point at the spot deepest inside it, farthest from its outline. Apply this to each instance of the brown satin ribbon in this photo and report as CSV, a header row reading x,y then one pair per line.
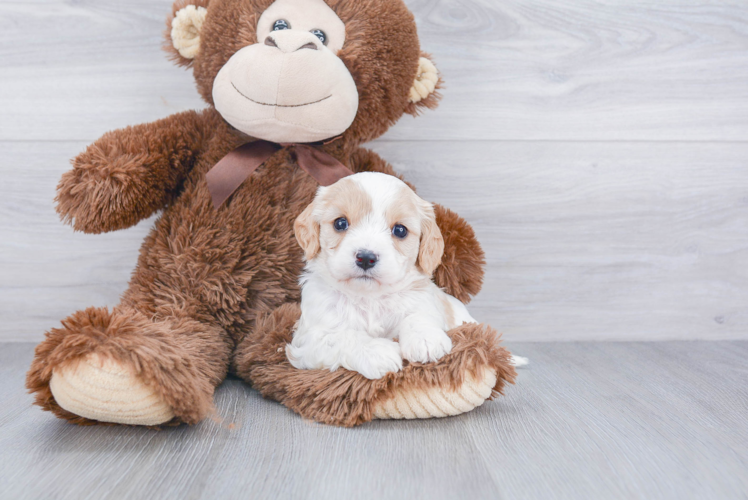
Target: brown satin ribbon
x,y
234,168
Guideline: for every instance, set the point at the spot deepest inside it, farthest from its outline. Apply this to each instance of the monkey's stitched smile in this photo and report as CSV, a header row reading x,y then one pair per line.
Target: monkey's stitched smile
x,y
278,105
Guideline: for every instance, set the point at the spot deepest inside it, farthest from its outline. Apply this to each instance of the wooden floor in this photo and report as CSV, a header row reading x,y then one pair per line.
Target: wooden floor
x,y
595,421
597,146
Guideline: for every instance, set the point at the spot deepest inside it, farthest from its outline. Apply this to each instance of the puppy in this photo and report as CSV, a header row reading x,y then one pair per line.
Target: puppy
x,y
371,245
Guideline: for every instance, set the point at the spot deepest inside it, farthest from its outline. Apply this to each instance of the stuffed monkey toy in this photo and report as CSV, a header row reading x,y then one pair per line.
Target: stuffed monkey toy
x,y
293,88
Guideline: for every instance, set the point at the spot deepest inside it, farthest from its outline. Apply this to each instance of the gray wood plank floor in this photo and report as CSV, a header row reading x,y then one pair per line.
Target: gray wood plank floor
x,y
590,420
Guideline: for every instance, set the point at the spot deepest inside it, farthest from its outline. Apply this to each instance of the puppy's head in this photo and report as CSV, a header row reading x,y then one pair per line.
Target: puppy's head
x,y
368,232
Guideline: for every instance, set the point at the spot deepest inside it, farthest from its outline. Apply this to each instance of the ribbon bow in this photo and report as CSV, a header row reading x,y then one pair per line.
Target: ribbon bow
x,y
234,168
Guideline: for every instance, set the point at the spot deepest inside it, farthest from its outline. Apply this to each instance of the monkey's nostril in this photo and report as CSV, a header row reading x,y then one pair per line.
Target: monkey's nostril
x,y
271,42
309,45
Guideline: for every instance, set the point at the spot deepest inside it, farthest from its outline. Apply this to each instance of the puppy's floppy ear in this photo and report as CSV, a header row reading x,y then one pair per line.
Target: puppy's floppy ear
x,y
423,93
432,244
306,230
183,30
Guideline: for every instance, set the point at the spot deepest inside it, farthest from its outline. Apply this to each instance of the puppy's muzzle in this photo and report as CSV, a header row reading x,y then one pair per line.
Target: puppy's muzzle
x,y
366,259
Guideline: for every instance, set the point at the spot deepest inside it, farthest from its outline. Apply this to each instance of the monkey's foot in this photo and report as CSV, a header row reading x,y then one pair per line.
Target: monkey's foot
x,y
438,401
108,391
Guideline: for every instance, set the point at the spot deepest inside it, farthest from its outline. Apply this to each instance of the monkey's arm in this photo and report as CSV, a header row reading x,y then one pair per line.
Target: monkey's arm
x,y
461,272
130,173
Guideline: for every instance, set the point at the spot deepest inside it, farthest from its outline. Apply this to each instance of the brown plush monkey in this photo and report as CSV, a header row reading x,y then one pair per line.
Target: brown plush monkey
x,y
216,285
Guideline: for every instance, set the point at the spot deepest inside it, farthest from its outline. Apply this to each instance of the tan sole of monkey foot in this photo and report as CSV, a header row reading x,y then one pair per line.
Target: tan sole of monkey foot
x,y
438,402
104,390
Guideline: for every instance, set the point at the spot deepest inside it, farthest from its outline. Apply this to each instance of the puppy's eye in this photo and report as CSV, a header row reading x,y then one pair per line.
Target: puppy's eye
x,y
281,24
321,35
340,224
399,231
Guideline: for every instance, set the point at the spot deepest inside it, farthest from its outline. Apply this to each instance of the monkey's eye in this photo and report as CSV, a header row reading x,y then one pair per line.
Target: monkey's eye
x,y
399,231
340,224
281,24
321,35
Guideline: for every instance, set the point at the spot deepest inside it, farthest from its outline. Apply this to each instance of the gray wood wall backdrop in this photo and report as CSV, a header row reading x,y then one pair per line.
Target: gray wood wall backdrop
x,y
598,147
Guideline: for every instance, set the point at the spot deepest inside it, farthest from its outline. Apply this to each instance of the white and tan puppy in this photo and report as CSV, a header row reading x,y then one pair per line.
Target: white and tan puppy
x,y
371,246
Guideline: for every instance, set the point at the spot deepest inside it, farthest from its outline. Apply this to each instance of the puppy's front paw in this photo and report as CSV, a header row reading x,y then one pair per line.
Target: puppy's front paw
x,y
377,358
425,346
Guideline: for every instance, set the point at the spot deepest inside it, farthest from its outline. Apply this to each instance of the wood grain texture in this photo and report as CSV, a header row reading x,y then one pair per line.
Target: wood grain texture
x,y
585,421
587,142
599,240
584,240
515,70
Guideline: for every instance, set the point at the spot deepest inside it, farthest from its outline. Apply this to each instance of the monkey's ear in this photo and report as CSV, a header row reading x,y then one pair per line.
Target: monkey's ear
x,y
306,230
183,30
423,93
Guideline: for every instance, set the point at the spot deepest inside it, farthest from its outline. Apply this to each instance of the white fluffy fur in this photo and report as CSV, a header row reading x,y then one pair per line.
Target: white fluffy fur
x,y
351,317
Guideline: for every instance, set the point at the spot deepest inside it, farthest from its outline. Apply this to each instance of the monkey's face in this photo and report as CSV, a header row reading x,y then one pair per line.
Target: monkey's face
x,y
305,70
290,86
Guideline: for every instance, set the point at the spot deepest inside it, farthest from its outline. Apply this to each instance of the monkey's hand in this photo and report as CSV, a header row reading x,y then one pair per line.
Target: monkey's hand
x,y
461,272
130,173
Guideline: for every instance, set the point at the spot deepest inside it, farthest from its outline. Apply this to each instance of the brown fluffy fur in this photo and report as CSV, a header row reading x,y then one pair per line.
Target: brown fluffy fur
x,y
347,398
205,276
182,359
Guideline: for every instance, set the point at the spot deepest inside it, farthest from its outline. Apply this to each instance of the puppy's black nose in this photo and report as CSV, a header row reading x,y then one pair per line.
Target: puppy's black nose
x,y
366,259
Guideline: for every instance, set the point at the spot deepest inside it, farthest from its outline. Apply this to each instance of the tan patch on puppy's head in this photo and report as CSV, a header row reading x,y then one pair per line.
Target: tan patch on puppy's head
x,y
424,236
404,210
346,199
